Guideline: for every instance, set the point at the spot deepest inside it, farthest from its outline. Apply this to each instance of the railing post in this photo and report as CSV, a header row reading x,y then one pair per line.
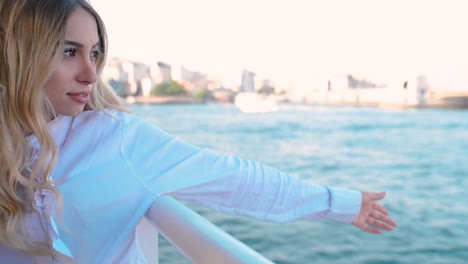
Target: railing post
x,y
196,238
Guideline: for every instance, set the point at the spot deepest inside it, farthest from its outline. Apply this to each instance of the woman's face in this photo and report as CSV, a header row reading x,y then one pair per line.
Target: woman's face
x,y
69,86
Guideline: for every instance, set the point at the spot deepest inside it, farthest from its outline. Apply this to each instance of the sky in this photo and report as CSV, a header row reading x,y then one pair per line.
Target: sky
x,y
295,40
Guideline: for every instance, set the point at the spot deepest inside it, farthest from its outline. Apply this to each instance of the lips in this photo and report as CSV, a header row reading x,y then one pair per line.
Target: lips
x,y
80,97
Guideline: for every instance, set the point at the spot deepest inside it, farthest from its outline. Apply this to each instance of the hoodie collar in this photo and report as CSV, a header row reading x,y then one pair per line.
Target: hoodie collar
x,y
59,127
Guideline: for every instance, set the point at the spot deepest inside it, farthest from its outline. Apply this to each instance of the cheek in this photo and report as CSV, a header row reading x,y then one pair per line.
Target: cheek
x,y
48,87
53,84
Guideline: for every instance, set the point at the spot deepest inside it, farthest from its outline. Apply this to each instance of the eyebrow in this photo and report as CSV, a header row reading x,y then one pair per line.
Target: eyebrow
x,y
79,45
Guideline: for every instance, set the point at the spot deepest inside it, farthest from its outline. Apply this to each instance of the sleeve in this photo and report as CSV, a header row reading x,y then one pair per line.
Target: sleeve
x,y
168,166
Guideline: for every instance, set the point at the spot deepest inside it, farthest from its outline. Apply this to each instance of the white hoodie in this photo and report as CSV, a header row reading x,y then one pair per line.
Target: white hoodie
x,y
113,165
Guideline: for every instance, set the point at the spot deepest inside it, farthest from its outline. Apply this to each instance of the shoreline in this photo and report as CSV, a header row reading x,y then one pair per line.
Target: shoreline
x,y
163,100
447,102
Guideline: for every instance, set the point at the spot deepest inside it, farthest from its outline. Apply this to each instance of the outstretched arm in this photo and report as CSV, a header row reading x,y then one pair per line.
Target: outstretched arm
x,y
373,217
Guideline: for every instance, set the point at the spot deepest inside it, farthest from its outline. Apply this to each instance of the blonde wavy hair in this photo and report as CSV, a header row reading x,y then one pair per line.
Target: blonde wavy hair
x,y
31,46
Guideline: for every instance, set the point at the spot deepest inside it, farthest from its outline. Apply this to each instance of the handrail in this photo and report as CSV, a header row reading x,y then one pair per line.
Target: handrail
x,y
196,238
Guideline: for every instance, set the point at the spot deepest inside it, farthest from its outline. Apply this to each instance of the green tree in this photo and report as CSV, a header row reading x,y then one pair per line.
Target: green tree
x,y
202,95
169,88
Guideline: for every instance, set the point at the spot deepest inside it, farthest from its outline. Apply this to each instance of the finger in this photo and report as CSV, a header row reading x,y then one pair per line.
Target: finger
x,y
380,208
384,223
370,229
389,221
381,213
377,196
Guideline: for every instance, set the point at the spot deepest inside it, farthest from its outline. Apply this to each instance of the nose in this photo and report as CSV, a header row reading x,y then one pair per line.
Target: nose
x,y
88,72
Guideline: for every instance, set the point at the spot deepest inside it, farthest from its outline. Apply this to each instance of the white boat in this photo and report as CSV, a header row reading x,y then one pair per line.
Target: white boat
x,y
255,103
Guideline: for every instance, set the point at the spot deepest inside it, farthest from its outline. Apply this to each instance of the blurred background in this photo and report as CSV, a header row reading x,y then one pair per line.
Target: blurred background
x,y
294,46
362,94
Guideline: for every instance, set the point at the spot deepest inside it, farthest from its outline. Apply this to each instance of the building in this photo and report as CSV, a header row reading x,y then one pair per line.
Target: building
x,y
193,81
165,72
248,81
127,77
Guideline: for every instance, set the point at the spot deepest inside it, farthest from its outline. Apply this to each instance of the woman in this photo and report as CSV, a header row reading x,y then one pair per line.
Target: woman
x,y
66,143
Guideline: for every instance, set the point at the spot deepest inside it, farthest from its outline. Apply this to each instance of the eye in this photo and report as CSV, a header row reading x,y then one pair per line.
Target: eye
x,y
71,52
96,53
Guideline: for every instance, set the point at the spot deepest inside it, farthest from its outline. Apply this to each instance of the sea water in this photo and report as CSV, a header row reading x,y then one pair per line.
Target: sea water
x,y
419,156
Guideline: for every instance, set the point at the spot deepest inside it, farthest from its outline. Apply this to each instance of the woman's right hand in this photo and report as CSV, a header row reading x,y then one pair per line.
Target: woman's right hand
x,y
373,217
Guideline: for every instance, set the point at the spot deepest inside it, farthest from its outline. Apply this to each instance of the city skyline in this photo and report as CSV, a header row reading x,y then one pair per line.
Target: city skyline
x,y
295,40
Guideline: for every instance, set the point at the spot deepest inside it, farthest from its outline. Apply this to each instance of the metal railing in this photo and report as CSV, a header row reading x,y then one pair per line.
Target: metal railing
x,y
196,238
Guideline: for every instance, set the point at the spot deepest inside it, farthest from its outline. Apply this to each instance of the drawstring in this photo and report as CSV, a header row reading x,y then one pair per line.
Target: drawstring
x,y
45,206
